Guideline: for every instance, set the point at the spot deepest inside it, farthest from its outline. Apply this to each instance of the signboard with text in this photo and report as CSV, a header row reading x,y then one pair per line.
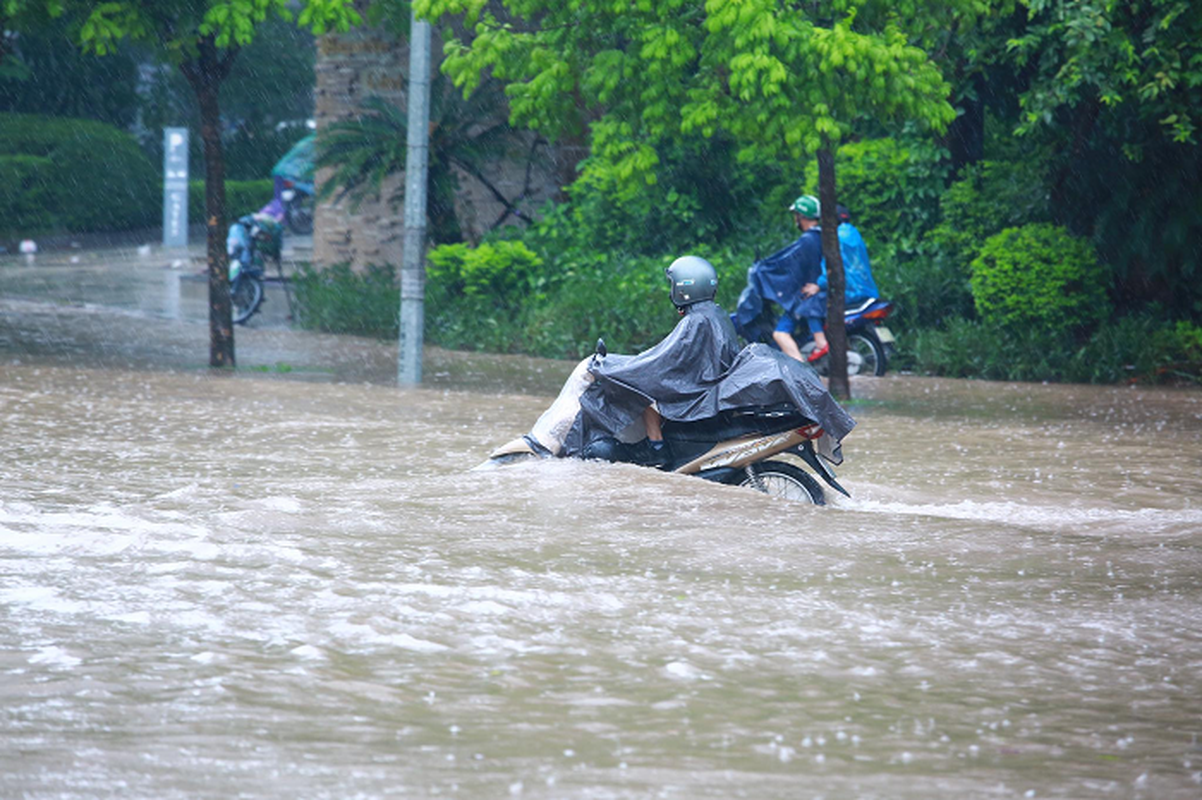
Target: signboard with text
x,y
175,187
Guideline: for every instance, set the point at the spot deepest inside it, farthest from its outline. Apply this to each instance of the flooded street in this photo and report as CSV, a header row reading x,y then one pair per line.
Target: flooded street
x,y
286,583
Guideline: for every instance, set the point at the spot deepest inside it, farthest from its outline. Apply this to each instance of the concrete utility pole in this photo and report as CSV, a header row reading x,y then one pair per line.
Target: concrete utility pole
x,y
413,257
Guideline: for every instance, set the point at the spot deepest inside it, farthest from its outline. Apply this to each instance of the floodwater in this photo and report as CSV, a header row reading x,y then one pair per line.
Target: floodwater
x,y
286,583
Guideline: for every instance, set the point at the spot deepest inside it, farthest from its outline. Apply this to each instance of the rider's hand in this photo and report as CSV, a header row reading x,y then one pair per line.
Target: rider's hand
x,y
809,290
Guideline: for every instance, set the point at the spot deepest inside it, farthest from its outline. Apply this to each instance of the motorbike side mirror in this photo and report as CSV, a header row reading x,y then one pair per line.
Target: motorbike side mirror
x,y
600,350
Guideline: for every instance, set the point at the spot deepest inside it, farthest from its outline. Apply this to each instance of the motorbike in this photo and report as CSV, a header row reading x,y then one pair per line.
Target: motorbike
x,y
250,242
869,342
739,447
297,197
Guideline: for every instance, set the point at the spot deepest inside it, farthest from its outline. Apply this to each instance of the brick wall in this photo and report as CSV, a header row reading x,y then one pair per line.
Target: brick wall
x,y
363,63
352,67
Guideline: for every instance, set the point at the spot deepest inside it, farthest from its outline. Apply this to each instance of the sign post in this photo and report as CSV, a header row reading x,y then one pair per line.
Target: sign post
x,y
175,187
413,256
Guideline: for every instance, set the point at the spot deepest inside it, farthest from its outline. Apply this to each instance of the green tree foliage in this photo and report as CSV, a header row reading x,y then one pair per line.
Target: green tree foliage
x,y
48,75
1141,54
892,187
781,82
1038,276
989,197
1115,89
264,101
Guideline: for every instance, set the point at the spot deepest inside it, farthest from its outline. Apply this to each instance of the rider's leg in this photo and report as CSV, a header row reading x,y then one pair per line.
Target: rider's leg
x,y
821,346
651,420
817,331
787,344
783,336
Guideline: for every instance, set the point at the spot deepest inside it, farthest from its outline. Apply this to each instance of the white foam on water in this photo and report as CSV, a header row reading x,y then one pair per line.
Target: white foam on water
x,y
683,670
55,657
484,608
1081,520
285,505
133,618
41,598
308,652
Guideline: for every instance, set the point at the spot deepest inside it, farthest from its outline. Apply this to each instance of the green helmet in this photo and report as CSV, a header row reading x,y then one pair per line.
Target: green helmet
x,y
692,279
807,206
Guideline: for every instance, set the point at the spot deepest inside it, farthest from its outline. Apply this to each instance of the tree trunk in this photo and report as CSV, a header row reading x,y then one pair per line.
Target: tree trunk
x,y
205,74
836,331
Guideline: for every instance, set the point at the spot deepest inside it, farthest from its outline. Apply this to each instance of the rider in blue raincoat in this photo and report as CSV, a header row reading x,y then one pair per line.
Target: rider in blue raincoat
x,y
857,271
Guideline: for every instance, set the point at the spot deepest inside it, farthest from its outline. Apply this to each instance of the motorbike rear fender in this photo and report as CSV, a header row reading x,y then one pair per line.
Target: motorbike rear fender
x,y
738,453
805,451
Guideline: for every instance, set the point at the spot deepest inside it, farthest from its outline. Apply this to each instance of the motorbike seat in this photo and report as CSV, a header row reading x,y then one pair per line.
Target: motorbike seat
x,y
735,423
856,309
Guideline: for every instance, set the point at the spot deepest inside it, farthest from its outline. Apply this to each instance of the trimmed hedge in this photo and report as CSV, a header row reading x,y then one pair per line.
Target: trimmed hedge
x,y
72,176
1038,276
241,198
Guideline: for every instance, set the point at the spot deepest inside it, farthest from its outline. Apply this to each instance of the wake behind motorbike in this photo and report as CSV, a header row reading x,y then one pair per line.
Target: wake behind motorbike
x,y
739,447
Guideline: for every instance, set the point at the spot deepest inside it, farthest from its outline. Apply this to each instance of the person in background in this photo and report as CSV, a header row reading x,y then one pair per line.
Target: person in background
x,y
294,170
670,380
857,271
802,298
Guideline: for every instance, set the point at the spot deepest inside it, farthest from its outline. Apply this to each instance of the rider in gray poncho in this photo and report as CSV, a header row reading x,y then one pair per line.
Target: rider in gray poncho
x,y
696,372
676,379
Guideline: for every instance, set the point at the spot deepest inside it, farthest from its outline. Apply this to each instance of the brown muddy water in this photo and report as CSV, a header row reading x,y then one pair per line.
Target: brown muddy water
x,y
287,583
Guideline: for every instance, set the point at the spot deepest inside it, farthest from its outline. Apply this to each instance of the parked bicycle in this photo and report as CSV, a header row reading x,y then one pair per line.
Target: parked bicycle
x,y
252,241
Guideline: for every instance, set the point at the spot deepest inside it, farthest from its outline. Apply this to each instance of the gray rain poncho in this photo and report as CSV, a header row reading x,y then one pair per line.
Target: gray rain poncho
x,y
696,372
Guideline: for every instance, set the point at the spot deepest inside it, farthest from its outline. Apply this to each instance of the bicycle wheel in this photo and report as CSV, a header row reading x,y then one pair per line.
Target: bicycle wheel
x,y
246,295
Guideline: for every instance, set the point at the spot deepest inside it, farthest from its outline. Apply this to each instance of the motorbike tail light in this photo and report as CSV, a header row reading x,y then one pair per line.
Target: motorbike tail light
x,y
288,184
878,313
811,431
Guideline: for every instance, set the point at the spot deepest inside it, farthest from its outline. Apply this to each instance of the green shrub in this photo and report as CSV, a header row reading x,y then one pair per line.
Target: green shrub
x,y
90,177
1039,276
926,289
508,272
1179,352
23,197
1140,348
989,197
241,198
340,300
702,194
507,299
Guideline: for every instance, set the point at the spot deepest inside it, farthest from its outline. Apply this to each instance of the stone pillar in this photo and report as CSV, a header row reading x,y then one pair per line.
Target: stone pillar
x,y
351,67
368,62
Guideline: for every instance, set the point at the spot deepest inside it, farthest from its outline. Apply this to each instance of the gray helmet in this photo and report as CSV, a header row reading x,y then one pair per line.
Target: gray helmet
x,y
692,279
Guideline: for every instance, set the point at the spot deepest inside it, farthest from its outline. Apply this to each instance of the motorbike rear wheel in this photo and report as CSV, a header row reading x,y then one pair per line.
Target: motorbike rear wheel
x,y
246,295
865,355
299,216
868,347
778,479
